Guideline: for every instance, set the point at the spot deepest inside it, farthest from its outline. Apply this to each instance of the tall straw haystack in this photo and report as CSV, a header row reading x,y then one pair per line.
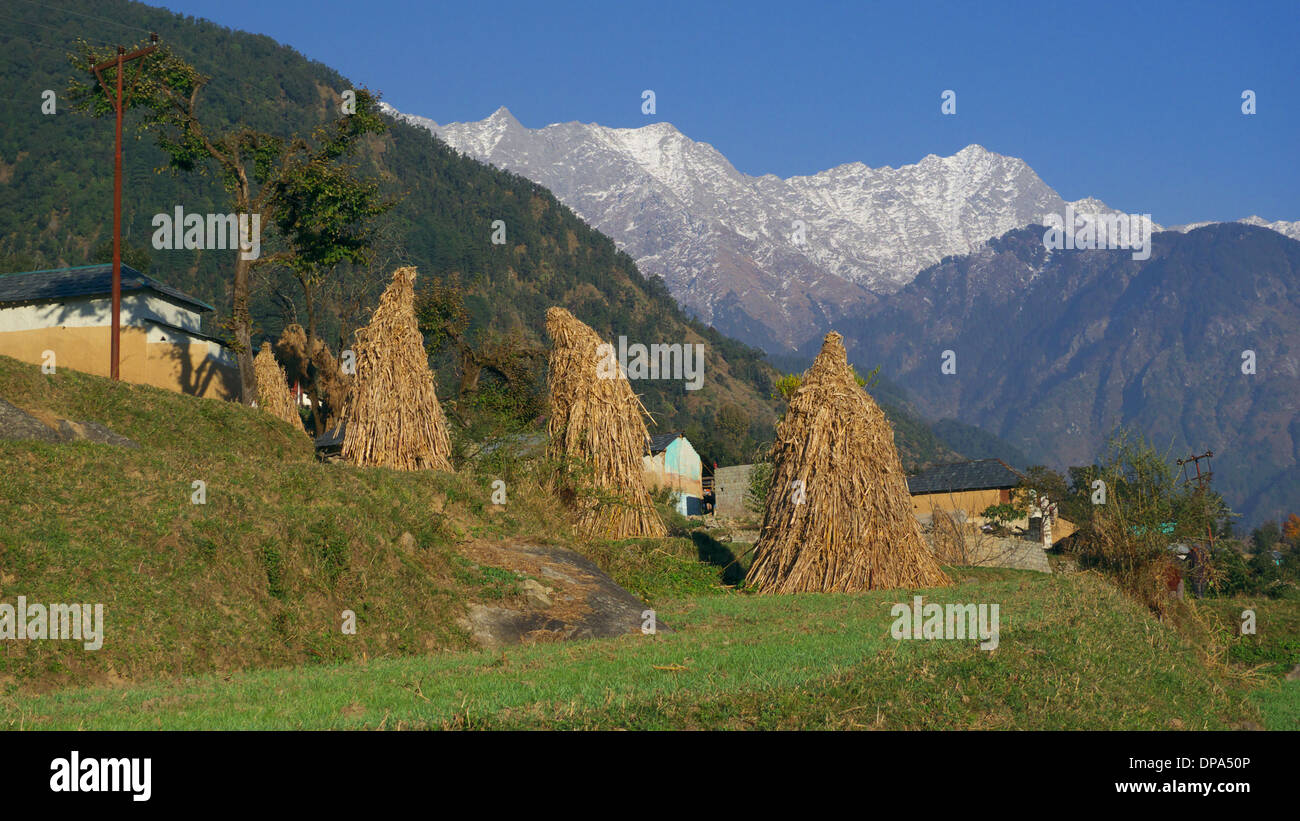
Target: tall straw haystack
x,y
599,423
392,415
273,394
848,527
332,385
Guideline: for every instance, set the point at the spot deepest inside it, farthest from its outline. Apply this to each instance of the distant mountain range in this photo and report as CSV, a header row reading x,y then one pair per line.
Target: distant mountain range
x,y
764,259
56,178
1288,229
1054,349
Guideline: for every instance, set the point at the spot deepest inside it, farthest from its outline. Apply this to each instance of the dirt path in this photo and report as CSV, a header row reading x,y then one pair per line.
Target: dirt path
x,y
567,597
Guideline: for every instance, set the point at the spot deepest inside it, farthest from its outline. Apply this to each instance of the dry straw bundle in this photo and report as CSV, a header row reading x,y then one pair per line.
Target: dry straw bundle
x,y
273,394
838,516
332,384
392,415
599,424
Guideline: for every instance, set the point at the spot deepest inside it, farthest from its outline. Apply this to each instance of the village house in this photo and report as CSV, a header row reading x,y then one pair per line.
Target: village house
x,y
62,317
672,462
962,487
968,488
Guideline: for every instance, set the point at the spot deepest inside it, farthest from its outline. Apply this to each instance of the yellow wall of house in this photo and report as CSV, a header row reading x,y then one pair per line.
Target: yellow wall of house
x,y
975,501
970,501
184,368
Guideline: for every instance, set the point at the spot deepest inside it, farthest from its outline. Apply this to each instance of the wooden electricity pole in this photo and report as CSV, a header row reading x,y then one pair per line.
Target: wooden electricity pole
x,y
119,62
1202,480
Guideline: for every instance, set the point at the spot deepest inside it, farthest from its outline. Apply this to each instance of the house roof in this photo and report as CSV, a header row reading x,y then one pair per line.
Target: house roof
x,y
85,280
188,332
659,442
982,474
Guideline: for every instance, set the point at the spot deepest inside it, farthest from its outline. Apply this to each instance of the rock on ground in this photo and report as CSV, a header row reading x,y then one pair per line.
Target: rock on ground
x,y
581,601
19,425
92,432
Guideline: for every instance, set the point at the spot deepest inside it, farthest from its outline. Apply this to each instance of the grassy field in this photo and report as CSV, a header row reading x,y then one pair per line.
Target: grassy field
x,y
226,615
258,575
1074,654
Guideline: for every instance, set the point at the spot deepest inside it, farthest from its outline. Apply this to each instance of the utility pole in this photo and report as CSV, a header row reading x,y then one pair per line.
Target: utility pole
x,y
119,62
1200,558
1202,481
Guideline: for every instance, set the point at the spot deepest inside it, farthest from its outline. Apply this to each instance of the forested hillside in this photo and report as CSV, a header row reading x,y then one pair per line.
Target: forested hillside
x,y
1194,347
55,209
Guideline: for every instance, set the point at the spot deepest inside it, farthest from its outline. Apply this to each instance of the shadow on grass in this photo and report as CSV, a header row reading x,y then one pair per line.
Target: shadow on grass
x,y
718,554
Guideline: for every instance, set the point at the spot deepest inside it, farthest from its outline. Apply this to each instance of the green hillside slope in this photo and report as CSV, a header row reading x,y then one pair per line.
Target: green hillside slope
x,y
56,184
227,614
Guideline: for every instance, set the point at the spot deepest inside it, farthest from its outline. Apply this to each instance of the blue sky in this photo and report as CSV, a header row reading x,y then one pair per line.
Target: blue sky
x,y
1138,104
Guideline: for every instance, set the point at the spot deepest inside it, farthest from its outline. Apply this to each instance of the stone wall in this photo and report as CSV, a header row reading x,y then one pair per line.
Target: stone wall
x,y
729,487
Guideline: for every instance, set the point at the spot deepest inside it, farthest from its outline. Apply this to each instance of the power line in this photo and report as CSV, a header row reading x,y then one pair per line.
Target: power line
x,y
33,42
183,49
83,14
37,25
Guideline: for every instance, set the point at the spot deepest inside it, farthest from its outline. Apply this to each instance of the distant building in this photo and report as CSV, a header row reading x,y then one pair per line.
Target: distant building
x,y
67,313
962,487
672,462
730,484
968,488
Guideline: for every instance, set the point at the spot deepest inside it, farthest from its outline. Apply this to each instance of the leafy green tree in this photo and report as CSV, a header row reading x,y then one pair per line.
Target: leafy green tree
x,y
1002,515
1147,509
323,210
1266,536
499,378
135,256
760,480
784,386
301,185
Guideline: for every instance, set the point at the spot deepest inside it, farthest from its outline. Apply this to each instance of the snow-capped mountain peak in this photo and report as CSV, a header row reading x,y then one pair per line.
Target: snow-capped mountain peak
x,y
766,259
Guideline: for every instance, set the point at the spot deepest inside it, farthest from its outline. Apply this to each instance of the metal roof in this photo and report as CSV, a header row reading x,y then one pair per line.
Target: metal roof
x,y
332,438
85,280
658,442
982,474
196,334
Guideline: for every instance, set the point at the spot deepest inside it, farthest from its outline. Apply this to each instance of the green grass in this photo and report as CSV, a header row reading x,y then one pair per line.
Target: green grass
x,y
257,576
668,568
1074,654
1271,652
227,615
492,583
1279,705
1274,647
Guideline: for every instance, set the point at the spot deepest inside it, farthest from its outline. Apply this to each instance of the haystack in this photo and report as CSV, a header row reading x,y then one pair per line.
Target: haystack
x,y
273,394
332,385
598,426
838,517
392,416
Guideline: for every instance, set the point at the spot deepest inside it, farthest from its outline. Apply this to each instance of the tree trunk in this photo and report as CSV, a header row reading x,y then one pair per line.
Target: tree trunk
x,y
313,372
469,371
242,325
